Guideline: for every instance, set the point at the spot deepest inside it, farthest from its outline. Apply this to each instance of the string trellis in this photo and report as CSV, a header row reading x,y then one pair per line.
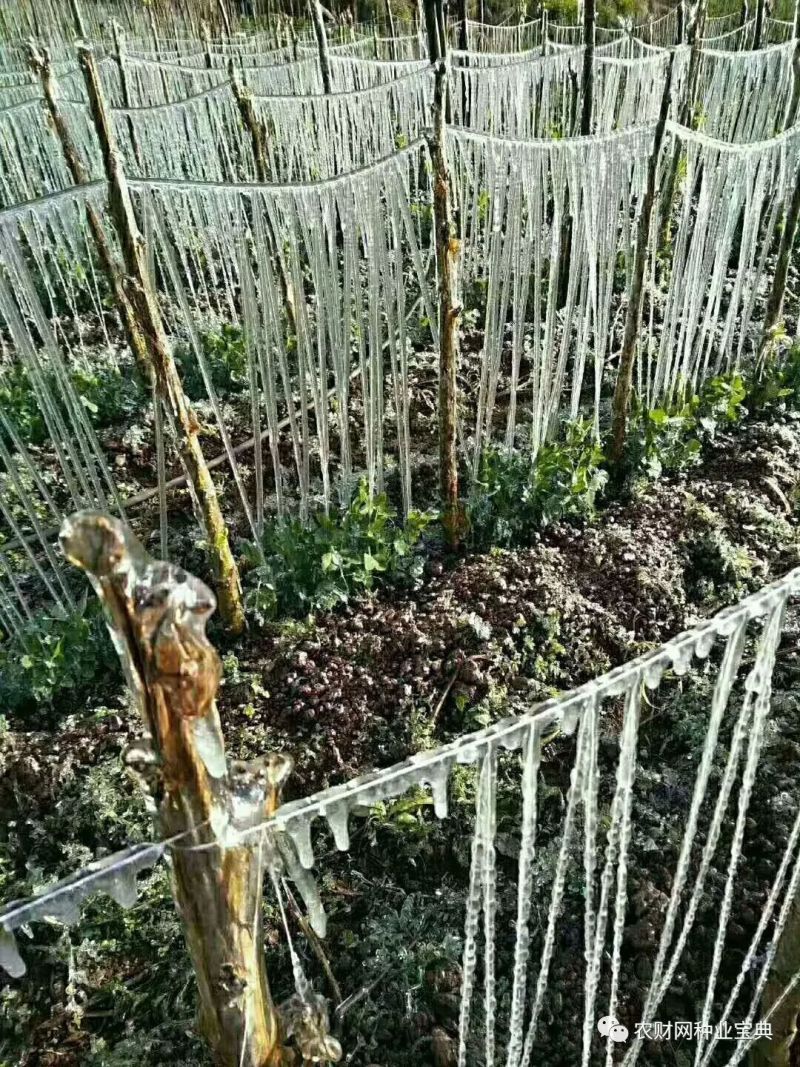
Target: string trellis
x,y
575,868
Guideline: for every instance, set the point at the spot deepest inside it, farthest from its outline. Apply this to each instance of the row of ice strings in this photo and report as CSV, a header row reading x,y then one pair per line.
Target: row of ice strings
x,y
525,911
326,391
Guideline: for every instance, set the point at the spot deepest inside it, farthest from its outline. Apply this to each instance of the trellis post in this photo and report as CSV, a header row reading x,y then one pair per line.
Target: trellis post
x,y
761,15
633,318
463,32
322,43
587,76
138,288
77,18
41,65
390,21
773,316
447,259
695,25
119,54
157,614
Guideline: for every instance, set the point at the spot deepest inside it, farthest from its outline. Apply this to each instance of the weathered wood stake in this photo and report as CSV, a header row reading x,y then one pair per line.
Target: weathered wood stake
x,y
322,43
41,65
773,316
762,11
778,1051
138,288
695,20
447,258
587,74
622,392
158,614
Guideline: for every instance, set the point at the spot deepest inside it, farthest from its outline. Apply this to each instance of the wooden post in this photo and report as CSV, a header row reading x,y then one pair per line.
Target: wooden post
x,y
119,50
77,18
255,128
390,23
205,29
447,258
41,65
761,14
544,31
695,25
463,33
622,392
587,75
322,43
157,614
745,13
777,1050
681,34
773,316
794,104
138,288
226,19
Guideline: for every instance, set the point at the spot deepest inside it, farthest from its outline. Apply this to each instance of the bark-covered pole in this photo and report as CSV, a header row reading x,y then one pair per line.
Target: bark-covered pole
x,y
587,75
773,316
762,10
777,1050
390,23
157,614
463,31
226,19
322,43
695,21
205,30
251,122
794,104
138,288
447,258
41,65
622,392
77,18
680,36
119,55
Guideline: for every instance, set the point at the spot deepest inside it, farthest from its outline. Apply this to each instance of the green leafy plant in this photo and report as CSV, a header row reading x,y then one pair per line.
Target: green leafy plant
x,y
518,495
778,384
59,658
671,438
301,568
226,355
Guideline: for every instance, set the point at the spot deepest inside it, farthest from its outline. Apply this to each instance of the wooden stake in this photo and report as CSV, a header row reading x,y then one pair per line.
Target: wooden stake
x,y
226,19
390,21
762,11
147,313
41,65
587,75
247,112
322,43
773,316
119,49
77,18
777,1050
463,33
205,29
158,614
447,258
622,392
695,26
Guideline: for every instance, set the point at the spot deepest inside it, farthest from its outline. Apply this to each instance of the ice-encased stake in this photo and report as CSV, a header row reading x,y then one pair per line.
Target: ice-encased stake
x,y
157,617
